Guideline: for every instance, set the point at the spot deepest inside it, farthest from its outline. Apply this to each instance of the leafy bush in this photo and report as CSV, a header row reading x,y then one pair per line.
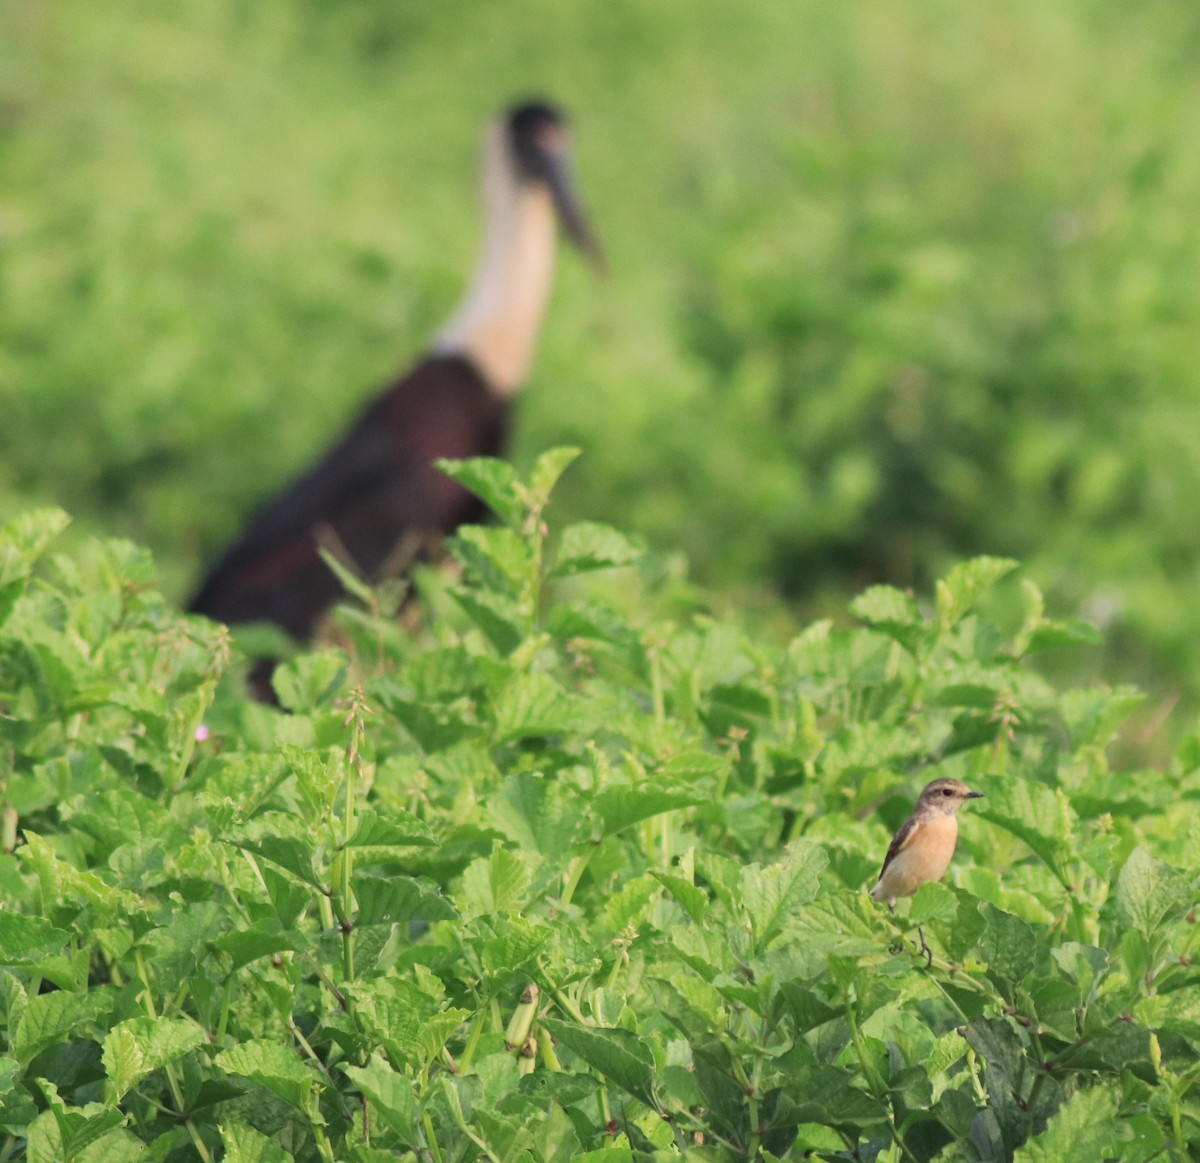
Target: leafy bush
x,y
893,285
544,881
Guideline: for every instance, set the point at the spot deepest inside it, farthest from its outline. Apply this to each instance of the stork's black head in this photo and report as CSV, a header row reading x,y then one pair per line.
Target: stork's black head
x,y
541,151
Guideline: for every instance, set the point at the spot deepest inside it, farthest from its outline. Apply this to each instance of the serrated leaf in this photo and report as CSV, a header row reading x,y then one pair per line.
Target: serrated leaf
x,y
1094,716
1042,818
587,546
55,1017
123,1060
497,884
288,852
894,613
243,1144
966,583
617,1055
398,829
1068,632
773,893
493,481
496,558
1149,890
264,938
273,1066
26,941
694,900
933,902
24,539
498,616
1007,946
310,680
137,1046
619,807
1085,1127
385,900
391,1096
536,813
534,705
546,472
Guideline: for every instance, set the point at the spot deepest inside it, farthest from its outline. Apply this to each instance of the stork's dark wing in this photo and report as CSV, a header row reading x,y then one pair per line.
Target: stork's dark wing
x,y
374,486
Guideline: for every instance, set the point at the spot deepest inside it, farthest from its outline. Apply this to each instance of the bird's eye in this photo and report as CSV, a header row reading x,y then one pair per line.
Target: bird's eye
x,y
947,792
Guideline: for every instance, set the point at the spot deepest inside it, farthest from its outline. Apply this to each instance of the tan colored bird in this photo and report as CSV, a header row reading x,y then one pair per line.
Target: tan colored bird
x,y
920,852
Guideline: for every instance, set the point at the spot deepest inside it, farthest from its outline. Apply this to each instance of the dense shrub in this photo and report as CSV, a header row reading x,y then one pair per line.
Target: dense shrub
x,y
547,880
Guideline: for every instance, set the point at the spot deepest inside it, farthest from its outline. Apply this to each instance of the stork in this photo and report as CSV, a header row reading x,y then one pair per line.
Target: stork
x,y
376,494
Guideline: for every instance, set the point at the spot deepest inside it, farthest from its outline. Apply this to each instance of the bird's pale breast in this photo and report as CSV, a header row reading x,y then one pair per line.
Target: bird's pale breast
x,y
925,857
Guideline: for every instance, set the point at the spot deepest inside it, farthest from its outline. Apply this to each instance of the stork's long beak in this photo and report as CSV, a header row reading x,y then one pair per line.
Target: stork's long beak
x,y
561,181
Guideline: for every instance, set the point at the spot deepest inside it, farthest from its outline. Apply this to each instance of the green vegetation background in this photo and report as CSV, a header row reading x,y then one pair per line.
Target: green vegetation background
x,y
891,284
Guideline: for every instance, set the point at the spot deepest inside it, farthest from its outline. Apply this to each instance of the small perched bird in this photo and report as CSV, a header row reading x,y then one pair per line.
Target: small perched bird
x,y
375,499
921,850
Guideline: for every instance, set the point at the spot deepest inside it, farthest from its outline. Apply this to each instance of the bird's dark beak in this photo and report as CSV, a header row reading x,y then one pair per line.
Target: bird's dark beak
x,y
974,795
561,181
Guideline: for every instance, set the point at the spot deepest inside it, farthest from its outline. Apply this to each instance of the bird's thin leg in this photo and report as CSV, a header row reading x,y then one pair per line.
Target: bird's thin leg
x,y
925,949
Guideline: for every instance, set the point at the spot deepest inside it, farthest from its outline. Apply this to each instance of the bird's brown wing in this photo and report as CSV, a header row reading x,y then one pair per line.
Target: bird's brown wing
x,y
901,840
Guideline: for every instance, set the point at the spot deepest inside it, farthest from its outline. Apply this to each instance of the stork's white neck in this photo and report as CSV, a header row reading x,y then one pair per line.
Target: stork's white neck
x,y
497,322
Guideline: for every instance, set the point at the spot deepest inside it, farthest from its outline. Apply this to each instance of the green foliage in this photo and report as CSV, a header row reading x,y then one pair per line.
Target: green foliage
x,y
892,285
549,881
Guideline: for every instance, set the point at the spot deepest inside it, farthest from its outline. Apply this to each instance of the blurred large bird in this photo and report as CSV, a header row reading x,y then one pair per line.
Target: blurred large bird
x,y
376,497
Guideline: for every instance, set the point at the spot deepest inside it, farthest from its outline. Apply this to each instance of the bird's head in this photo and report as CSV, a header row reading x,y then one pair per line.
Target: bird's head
x,y
540,147
943,797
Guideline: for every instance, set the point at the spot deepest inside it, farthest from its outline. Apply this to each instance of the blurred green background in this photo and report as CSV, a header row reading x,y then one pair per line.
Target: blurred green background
x,y
891,283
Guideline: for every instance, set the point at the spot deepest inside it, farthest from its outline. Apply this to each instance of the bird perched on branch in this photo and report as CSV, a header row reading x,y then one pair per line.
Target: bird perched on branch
x,y
375,498
921,850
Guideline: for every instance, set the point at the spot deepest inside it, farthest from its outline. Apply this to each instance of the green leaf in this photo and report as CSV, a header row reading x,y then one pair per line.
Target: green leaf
x,y
386,900
617,1055
1042,818
497,884
497,615
1149,891
620,807
75,1131
534,705
26,941
262,939
56,1017
24,539
771,895
549,467
274,1066
1084,1128
391,1096
966,583
123,1060
135,1047
243,1144
537,813
1007,946
892,612
288,852
587,546
1094,716
933,902
493,481
693,899
496,558
398,829
310,680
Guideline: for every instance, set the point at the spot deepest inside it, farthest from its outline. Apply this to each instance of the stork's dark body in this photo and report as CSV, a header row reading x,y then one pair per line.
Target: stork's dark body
x,y
377,486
